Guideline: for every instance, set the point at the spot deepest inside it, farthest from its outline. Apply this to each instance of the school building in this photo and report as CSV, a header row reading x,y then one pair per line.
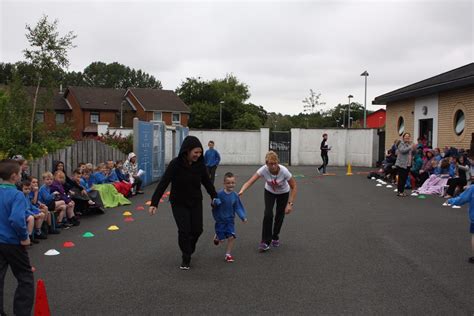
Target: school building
x,y
439,109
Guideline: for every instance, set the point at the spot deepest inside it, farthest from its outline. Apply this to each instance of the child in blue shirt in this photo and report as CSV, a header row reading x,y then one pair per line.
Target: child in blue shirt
x,y
467,197
35,217
226,205
13,239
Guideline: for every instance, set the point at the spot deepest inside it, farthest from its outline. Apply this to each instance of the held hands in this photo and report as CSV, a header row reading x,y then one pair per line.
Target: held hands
x,y
152,210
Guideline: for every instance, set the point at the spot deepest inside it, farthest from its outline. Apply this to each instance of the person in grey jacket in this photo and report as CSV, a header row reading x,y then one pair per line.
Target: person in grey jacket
x,y
404,159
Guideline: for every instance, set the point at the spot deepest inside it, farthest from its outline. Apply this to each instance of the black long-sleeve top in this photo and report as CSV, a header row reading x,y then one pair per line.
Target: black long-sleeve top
x,y
185,178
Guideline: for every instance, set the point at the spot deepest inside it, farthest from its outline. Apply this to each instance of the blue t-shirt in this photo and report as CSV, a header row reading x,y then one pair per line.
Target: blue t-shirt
x,y
212,158
229,206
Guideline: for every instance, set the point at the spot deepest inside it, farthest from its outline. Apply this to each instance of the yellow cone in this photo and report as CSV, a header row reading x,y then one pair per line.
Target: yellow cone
x,y
113,227
349,170
127,213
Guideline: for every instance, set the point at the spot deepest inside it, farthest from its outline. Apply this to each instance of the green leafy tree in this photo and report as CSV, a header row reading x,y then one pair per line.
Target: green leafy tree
x,y
47,53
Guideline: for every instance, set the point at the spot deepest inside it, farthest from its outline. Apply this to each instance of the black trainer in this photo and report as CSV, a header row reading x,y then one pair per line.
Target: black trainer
x,y
184,265
471,260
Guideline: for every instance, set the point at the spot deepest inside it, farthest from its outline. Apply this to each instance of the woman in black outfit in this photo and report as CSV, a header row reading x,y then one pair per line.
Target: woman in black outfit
x,y
186,173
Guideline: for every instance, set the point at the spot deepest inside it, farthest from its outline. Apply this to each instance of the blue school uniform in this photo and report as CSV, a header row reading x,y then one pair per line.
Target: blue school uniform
x,y
112,177
98,178
13,205
224,214
44,195
31,210
212,157
466,197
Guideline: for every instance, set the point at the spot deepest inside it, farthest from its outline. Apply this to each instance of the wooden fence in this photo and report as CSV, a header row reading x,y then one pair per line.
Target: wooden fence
x,y
85,151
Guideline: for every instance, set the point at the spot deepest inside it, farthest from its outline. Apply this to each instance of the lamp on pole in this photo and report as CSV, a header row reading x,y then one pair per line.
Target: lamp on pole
x,y
350,96
220,114
365,74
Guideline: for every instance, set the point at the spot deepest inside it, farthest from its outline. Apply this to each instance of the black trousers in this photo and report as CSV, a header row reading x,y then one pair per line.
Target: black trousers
x,y
402,178
137,183
189,222
422,178
212,173
325,158
271,230
454,183
16,257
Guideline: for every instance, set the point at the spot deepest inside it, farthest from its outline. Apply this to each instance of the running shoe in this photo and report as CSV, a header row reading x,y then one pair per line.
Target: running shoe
x,y
275,243
229,258
263,247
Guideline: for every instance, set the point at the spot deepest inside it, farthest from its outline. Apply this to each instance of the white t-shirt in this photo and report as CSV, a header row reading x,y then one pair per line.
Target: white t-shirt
x,y
276,184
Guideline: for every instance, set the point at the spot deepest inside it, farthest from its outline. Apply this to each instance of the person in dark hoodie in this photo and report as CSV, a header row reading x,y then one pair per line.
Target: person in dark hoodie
x,y
186,173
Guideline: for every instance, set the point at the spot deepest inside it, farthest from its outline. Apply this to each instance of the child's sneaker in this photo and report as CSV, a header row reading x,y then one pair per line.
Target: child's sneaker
x,y
263,247
185,265
275,243
229,258
216,240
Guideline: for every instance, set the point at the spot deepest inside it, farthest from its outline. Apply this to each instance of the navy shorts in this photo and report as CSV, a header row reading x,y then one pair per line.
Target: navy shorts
x,y
225,230
472,228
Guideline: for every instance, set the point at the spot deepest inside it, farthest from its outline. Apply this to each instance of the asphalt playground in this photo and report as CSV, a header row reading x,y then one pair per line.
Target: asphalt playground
x,y
349,247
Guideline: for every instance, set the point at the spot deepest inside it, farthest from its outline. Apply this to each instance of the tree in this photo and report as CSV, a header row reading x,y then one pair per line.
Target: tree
x,y
205,99
47,53
312,102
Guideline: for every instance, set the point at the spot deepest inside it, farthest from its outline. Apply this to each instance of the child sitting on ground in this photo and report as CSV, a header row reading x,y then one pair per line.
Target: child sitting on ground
x,y
34,198
467,197
34,217
85,201
226,205
46,197
57,188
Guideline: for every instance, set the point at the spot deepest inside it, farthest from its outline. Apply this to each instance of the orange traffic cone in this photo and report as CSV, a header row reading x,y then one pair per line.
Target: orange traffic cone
x,y
41,303
349,170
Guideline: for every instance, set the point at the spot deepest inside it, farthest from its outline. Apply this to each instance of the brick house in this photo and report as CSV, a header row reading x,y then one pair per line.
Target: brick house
x,y
118,107
440,108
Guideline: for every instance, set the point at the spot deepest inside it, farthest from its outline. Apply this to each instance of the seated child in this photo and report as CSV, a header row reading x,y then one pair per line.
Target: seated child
x,y
112,177
57,188
467,197
34,198
86,201
46,197
34,217
226,205
108,193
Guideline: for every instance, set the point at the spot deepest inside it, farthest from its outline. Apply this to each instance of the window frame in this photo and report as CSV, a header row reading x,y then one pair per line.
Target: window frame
x,y
178,122
56,117
156,113
400,122
92,114
456,120
39,116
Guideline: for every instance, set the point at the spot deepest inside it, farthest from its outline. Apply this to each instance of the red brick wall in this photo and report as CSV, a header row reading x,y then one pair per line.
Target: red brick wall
x,y
77,116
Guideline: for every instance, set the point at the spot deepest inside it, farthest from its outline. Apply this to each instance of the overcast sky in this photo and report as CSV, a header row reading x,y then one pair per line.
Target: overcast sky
x,y
280,49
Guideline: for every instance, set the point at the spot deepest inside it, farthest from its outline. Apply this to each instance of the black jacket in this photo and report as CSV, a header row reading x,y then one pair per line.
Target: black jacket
x,y
185,178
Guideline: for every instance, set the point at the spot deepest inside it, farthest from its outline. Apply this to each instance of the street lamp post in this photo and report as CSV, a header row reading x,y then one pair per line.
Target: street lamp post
x,y
220,114
350,96
365,74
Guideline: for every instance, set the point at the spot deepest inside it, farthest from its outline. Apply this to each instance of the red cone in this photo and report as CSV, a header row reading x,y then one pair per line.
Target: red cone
x,y
41,304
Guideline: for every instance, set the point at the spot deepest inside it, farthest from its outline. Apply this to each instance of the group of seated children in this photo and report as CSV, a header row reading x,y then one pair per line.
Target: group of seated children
x,y
61,200
445,173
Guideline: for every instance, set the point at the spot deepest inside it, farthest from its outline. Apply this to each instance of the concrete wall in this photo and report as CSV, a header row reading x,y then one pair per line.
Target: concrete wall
x,y
237,147
356,146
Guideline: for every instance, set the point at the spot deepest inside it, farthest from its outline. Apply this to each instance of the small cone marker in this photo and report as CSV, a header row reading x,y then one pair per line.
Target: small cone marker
x,y
68,244
139,208
421,197
88,235
378,185
52,252
128,219
41,303
127,213
389,186
113,227
456,206
349,170
148,203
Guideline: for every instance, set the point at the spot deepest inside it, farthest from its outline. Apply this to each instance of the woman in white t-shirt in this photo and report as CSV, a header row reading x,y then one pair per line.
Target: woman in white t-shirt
x,y
280,186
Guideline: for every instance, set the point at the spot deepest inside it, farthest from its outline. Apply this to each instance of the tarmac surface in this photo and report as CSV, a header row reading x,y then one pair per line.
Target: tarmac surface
x,y
349,247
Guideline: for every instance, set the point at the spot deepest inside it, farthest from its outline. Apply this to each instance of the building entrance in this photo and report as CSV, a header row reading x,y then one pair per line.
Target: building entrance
x,y
426,131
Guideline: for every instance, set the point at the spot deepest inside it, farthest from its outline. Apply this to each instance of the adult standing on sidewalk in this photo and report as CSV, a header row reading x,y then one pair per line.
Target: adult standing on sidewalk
x,y
404,158
324,153
212,160
280,186
186,173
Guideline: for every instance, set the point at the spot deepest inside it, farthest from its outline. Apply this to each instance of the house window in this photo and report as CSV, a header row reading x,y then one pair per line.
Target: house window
x,y
401,125
95,117
459,122
176,118
157,116
39,116
59,118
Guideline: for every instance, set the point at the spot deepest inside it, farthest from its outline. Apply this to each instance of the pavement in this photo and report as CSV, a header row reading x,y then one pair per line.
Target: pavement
x,y
349,247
